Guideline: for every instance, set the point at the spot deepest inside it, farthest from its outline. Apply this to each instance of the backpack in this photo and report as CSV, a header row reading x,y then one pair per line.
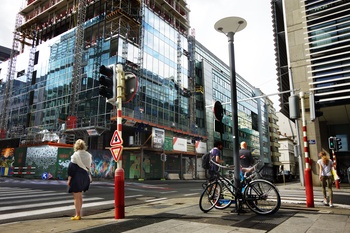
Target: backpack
x,y
206,160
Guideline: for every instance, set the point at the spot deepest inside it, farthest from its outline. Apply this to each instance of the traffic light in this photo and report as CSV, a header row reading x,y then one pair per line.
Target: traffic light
x,y
338,144
163,157
331,142
108,83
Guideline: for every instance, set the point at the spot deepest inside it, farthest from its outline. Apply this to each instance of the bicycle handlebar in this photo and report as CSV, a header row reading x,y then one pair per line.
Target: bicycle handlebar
x,y
231,167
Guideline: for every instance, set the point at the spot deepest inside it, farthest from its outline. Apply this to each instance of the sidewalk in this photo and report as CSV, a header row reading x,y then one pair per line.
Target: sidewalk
x,y
184,215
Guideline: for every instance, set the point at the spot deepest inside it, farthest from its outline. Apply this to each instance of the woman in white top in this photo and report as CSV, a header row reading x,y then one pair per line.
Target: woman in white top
x,y
325,174
78,175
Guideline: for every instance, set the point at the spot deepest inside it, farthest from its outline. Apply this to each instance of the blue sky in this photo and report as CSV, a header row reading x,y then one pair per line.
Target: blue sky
x,y
254,48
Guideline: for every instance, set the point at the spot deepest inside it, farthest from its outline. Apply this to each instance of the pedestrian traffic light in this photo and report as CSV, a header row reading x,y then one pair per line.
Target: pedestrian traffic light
x,y
338,144
108,83
331,143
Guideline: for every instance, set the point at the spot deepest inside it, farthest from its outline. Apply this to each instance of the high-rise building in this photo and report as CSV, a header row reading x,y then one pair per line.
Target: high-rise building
x,y
312,52
52,87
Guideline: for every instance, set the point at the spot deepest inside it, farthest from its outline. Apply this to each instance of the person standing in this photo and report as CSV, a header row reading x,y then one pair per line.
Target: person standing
x,y
79,175
325,175
216,157
245,156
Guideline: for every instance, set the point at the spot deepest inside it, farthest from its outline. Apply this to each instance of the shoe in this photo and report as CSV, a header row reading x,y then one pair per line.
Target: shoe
x,y
331,205
325,203
75,218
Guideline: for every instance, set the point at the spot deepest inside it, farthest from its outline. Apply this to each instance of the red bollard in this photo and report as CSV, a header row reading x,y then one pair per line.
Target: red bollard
x,y
308,188
337,184
119,195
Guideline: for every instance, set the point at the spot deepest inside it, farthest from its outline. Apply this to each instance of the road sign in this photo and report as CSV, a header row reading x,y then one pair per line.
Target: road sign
x,y
116,152
116,139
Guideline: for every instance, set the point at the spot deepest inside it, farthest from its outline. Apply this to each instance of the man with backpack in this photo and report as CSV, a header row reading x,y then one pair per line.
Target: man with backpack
x,y
215,156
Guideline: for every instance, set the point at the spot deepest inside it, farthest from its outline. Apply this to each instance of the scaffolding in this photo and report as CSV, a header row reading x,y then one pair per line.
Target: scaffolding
x,y
95,22
11,70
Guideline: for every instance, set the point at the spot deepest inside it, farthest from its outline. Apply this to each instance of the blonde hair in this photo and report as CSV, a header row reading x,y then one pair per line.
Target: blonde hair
x,y
79,145
324,157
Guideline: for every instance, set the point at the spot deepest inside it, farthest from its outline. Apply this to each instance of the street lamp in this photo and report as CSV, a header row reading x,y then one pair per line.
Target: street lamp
x,y
229,26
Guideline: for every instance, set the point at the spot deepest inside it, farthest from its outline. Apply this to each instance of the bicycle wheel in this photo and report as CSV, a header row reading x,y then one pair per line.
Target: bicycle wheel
x,y
226,197
209,197
262,197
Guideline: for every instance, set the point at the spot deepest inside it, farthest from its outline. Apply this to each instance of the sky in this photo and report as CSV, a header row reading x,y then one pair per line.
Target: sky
x,y
254,45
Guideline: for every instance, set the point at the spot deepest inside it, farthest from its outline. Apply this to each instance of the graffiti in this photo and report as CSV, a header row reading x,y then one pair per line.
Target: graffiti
x,y
63,164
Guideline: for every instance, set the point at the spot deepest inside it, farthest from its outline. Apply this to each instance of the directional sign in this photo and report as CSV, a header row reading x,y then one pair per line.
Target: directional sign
x,y
116,139
116,152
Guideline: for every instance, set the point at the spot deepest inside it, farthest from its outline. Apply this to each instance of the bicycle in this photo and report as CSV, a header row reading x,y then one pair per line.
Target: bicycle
x,y
259,195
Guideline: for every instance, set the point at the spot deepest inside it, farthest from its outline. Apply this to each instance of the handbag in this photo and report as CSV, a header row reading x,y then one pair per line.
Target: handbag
x,y
335,175
89,173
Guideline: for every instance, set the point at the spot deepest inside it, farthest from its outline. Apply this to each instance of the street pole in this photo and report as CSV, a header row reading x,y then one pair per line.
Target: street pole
x,y
229,26
307,172
119,176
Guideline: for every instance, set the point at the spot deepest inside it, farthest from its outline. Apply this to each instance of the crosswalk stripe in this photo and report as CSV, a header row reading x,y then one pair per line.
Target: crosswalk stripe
x,y
36,195
45,204
14,193
50,210
22,200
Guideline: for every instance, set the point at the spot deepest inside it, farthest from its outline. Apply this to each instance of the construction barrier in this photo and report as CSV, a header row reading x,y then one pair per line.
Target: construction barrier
x,y
29,170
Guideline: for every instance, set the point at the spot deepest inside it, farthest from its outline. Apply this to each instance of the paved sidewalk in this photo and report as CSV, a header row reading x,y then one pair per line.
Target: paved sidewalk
x,y
184,215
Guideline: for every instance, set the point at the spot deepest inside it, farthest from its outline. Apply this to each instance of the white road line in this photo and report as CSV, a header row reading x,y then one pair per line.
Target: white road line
x,y
132,196
14,193
36,199
51,210
37,195
153,200
191,194
50,203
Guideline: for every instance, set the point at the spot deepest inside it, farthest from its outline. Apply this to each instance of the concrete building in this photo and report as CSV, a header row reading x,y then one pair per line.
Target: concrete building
x,y
312,53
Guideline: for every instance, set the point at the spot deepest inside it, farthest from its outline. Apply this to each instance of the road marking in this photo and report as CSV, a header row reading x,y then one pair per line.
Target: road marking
x,y
50,210
153,200
48,193
191,194
14,193
45,204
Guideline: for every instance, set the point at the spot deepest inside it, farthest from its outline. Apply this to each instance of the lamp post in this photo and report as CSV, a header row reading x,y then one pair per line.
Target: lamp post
x,y
229,26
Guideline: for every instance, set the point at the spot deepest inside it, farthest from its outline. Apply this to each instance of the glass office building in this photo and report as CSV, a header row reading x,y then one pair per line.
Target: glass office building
x,y
53,91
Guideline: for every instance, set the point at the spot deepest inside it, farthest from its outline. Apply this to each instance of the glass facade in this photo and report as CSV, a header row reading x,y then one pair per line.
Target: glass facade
x,y
252,120
177,79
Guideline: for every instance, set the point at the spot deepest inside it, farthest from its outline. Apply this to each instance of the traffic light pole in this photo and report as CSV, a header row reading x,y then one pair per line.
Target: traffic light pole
x,y
307,172
335,168
119,181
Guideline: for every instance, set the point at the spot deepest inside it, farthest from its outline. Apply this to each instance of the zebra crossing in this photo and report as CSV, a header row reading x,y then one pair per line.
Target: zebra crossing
x,y
18,203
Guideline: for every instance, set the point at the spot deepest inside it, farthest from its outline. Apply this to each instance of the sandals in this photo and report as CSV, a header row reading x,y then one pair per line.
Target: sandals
x,y
75,218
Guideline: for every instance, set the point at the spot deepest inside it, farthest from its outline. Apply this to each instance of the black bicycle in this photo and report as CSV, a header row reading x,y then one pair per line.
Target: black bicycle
x,y
260,196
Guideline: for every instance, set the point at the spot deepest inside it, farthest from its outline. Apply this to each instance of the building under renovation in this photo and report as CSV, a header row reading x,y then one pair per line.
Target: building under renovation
x,y
50,92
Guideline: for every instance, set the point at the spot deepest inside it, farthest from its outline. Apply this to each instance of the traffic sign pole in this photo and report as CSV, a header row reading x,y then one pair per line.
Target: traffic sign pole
x,y
119,198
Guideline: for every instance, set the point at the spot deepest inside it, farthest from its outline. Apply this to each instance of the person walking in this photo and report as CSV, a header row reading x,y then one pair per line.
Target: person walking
x,y
325,175
79,175
245,156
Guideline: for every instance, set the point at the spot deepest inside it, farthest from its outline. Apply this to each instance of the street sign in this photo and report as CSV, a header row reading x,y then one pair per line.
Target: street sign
x,y
116,152
116,139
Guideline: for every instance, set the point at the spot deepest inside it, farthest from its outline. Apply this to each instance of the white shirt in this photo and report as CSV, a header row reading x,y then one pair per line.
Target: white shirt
x,y
326,170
